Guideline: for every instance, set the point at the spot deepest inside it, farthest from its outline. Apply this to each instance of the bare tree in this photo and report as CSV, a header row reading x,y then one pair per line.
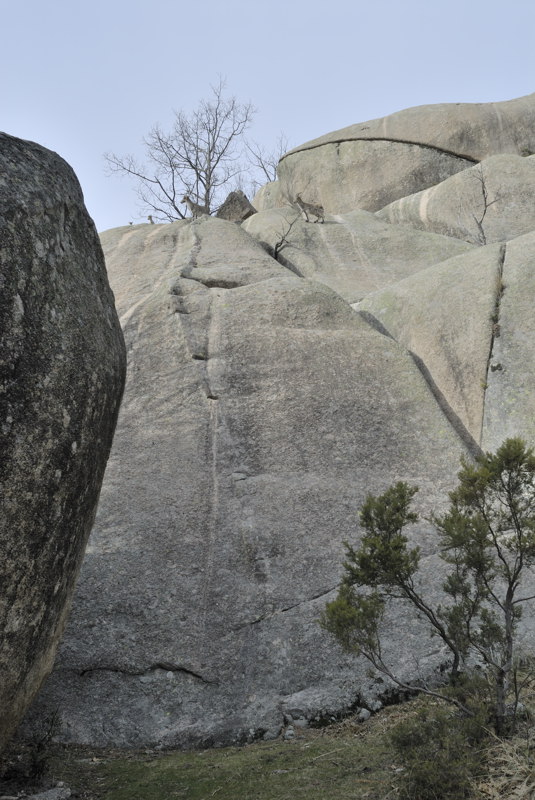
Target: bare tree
x,y
282,238
199,157
265,162
481,237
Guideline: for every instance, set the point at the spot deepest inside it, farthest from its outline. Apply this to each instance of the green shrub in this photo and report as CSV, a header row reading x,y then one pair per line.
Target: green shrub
x,y
441,752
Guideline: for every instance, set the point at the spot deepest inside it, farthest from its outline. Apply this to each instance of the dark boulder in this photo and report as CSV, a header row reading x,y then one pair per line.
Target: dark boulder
x,y
236,208
62,366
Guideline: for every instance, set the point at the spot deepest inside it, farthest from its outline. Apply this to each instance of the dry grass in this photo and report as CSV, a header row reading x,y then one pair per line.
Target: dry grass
x,y
510,769
510,763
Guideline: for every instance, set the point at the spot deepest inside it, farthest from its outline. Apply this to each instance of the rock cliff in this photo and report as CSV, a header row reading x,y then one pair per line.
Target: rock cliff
x,y
62,371
266,397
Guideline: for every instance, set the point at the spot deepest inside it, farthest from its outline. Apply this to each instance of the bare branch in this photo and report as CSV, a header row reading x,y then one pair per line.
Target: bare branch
x,y
199,157
482,237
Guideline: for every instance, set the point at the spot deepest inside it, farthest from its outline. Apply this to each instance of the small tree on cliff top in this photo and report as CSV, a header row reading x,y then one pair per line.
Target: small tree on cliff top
x,y
488,538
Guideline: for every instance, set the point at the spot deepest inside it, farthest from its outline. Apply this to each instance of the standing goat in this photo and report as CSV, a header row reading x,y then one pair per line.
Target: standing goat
x,y
309,208
195,208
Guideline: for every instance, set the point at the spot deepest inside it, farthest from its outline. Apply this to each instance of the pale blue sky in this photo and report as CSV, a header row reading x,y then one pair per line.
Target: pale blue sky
x,y
85,78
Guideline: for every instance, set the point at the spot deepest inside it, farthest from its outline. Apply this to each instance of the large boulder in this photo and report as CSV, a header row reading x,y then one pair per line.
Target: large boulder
x,y
371,164
236,208
259,411
61,378
269,196
490,202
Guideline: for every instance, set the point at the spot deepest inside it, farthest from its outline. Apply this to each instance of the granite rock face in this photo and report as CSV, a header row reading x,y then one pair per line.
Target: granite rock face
x,y
259,411
510,395
61,376
278,373
353,253
490,202
452,340
374,163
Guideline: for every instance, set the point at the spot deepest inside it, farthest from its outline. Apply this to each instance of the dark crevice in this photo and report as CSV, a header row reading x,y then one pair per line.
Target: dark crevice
x,y
374,323
289,266
265,617
338,142
455,421
495,330
160,665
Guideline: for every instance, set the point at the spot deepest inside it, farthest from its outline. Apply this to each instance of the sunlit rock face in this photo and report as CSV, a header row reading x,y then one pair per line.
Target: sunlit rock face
x,y
278,373
371,164
61,378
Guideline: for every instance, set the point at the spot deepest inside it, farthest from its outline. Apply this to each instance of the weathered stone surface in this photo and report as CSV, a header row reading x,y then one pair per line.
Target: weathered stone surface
x,y
444,315
269,196
371,164
262,408
363,174
352,253
469,130
255,420
236,208
61,378
510,394
490,202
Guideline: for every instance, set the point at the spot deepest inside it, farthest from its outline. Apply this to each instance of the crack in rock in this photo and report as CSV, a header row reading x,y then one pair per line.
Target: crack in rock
x,y
453,418
160,665
338,142
495,333
264,617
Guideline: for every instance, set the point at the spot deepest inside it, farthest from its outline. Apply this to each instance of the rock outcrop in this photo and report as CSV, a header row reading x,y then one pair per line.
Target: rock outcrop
x,y
259,411
452,340
236,208
61,379
374,163
490,202
353,253
279,372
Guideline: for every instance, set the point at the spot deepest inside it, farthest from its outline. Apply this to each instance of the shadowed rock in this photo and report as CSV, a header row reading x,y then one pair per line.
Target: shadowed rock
x,y
61,379
236,208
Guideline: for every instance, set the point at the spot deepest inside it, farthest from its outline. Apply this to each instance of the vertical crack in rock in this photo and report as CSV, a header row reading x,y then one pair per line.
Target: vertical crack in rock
x,y
214,412
495,330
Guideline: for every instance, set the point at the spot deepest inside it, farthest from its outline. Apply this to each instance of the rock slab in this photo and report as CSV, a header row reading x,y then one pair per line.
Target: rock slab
x,y
259,411
371,164
62,366
280,371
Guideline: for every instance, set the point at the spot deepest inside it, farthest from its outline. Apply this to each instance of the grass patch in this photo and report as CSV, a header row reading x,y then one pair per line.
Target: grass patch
x,y
346,760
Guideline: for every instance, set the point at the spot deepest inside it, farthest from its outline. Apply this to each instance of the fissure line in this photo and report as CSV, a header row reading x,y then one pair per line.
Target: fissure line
x,y
495,330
